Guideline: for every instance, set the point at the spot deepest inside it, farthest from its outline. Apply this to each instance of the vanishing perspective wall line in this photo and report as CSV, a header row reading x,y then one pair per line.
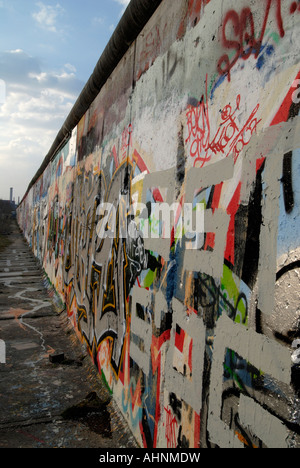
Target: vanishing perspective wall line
x,y
195,331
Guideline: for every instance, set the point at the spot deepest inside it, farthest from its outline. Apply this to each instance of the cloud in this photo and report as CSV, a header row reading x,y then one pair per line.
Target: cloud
x,y
124,3
47,16
21,71
36,104
98,20
15,66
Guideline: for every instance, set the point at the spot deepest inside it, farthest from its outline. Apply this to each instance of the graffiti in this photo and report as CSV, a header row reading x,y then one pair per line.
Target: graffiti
x,y
247,41
229,138
193,15
249,408
194,330
100,278
171,429
100,270
171,62
213,302
296,354
126,141
151,47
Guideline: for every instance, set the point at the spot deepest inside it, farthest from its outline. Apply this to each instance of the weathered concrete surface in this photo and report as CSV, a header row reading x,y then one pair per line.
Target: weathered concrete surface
x,y
37,397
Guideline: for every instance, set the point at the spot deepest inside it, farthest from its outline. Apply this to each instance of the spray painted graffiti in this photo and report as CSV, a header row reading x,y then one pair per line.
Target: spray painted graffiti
x,y
196,336
248,42
228,139
246,39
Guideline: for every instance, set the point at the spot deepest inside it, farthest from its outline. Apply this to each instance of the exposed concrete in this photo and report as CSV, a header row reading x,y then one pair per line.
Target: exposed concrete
x,y
39,399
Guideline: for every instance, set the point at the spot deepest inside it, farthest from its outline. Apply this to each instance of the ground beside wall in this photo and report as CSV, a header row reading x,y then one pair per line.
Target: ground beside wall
x,y
193,326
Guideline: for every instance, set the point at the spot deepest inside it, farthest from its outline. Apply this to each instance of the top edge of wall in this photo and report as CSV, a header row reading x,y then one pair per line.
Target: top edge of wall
x,y
134,19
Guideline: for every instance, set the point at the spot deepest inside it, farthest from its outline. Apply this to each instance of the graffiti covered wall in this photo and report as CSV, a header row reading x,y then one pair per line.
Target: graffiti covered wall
x,y
196,333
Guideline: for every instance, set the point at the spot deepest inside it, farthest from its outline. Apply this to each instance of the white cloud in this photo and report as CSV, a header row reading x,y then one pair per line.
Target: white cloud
x,y
123,2
70,67
47,16
36,105
98,20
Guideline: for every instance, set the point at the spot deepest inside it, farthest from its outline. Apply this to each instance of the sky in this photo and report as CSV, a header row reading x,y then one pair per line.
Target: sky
x,y
48,50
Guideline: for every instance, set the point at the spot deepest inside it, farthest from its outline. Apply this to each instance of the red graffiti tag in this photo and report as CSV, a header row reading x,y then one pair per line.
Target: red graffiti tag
x,y
126,140
229,138
171,429
194,12
294,7
151,47
246,43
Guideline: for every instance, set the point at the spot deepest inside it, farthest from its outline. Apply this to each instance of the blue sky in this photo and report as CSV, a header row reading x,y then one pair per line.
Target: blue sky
x,y
48,50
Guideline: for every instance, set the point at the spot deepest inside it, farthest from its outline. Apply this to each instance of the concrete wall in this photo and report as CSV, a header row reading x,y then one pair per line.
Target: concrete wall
x,y
197,340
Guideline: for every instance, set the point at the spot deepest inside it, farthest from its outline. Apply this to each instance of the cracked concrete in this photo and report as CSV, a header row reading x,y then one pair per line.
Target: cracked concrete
x,y
35,393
